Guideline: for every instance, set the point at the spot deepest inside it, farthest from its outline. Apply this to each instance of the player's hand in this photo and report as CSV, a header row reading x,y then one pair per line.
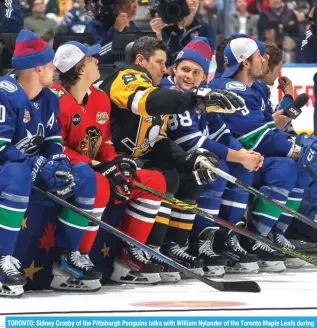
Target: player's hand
x,y
281,120
251,160
215,100
286,85
121,22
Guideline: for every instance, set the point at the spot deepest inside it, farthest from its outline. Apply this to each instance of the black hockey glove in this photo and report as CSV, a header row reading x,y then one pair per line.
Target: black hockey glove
x,y
200,161
217,101
119,173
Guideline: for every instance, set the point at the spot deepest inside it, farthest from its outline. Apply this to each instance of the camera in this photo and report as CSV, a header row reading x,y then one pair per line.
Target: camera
x,y
171,11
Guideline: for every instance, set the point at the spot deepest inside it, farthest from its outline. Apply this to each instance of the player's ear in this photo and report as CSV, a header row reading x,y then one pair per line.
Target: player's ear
x,y
174,69
140,59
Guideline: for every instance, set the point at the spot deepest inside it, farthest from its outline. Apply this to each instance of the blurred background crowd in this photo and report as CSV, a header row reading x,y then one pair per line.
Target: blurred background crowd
x,y
282,22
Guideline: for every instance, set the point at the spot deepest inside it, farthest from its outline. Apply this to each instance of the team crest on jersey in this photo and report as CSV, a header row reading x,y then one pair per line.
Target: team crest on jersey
x,y
236,85
102,117
29,146
90,144
26,116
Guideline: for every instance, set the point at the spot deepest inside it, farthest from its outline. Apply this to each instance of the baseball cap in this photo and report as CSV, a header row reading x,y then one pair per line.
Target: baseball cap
x,y
236,52
260,44
71,53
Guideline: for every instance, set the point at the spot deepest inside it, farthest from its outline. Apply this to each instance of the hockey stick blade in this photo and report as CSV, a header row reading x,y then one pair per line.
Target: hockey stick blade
x,y
230,226
226,286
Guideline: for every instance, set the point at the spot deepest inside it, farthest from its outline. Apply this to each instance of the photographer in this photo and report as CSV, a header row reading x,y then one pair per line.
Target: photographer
x,y
11,19
176,35
110,18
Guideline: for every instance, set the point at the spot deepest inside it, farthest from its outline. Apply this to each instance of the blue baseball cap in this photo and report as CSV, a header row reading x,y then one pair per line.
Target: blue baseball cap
x,y
236,52
260,44
71,53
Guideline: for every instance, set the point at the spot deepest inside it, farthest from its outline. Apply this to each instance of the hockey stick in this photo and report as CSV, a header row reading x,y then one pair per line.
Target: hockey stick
x,y
228,225
258,193
226,286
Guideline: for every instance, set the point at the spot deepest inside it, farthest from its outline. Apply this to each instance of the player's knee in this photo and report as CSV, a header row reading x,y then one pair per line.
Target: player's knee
x,y
153,179
18,177
84,176
223,166
289,169
172,180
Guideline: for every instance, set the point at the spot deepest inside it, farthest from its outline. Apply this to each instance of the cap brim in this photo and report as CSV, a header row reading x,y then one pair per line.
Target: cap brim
x,y
261,47
93,50
229,71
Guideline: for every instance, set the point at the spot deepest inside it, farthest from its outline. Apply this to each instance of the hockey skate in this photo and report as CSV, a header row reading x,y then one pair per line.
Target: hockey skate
x,y
269,260
135,267
181,256
75,272
202,247
11,279
168,273
291,262
240,261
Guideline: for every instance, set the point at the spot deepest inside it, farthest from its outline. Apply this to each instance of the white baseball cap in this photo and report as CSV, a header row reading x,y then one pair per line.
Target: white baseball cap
x,y
71,53
236,52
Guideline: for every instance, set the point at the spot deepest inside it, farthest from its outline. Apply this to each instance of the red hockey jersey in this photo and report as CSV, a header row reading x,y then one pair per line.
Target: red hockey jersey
x,y
86,127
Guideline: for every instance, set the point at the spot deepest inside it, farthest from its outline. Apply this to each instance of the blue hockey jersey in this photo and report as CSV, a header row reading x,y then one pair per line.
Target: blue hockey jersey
x,y
251,126
192,131
27,127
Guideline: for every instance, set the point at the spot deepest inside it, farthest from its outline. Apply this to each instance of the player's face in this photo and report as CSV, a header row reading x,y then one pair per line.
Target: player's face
x,y
270,78
46,75
155,65
256,66
188,74
265,66
91,69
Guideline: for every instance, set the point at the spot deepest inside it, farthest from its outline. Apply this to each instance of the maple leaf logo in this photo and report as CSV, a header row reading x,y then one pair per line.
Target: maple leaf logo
x,y
47,241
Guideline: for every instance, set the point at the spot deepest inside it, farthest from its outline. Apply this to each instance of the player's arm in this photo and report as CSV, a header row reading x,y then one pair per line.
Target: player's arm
x,y
53,142
133,90
106,150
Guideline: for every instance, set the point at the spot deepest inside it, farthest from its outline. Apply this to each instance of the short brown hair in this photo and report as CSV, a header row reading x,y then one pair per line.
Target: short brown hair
x,y
276,55
72,76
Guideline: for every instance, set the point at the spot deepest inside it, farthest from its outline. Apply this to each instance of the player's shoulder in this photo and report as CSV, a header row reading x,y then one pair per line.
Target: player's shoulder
x,y
9,86
49,95
228,84
261,87
58,90
169,83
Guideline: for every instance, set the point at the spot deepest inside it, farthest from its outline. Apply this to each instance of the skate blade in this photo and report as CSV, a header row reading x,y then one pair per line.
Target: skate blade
x,y
198,271
243,268
68,284
11,291
271,266
170,277
294,263
214,271
123,274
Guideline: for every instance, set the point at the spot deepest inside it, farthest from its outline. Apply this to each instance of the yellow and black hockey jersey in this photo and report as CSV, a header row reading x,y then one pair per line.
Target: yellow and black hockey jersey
x,y
139,110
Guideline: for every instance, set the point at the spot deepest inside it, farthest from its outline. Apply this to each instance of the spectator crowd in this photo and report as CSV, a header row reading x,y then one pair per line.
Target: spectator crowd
x,y
280,22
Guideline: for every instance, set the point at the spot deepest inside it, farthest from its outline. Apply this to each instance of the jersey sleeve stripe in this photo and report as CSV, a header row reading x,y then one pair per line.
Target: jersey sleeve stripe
x,y
198,144
226,131
214,135
138,102
188,137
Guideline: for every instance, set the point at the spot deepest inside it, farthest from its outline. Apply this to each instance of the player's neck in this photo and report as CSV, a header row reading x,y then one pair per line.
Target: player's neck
x,y
31,88
244,78
79,90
